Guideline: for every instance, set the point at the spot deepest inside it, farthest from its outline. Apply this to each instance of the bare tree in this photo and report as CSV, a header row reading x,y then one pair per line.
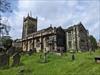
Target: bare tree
x,y
4,28
5,6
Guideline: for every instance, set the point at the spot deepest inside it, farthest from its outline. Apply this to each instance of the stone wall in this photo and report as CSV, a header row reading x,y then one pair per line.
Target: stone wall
x,y
77,38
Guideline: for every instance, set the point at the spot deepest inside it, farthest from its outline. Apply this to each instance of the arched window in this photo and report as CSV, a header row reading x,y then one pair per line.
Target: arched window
x,y
47,40
37,43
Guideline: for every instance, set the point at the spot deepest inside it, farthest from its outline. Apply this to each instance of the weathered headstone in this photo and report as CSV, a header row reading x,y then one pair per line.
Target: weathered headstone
x,y
4,59
72,54
11,51
45,58
45,55
16,59
97,59
73,57
58,54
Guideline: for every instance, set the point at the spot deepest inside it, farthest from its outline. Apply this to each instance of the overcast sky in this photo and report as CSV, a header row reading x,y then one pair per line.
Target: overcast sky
x,y
63,13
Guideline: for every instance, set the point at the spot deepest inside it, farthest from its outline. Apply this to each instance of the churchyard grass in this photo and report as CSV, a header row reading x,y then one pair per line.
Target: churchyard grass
x,y
84,64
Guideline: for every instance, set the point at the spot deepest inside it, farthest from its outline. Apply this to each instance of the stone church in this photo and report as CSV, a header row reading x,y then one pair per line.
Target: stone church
x,y
49,39
54,39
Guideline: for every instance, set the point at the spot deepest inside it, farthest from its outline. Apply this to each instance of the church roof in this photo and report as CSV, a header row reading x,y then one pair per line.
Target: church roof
x,y
77,25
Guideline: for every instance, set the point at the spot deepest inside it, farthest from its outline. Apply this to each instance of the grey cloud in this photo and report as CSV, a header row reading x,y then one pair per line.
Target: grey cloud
x,y
65,13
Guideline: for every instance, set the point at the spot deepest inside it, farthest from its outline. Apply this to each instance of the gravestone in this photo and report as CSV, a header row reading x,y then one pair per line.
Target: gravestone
x,y
4,59
16,59
45,55
11,51
73,57
97,59
72,54
58,54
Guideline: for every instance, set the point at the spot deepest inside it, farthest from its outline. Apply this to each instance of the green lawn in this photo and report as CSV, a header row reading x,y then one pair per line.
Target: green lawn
x,y
57,65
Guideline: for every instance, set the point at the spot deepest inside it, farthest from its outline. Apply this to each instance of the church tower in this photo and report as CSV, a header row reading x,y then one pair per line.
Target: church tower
x,y
29,26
